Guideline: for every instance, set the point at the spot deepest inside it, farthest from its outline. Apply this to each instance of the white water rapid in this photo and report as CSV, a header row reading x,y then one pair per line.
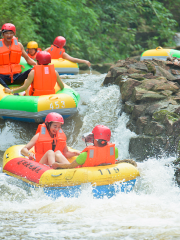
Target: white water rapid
x,y
151,211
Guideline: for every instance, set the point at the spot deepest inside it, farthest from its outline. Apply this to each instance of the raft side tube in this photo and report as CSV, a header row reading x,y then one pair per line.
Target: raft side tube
x,y
14,164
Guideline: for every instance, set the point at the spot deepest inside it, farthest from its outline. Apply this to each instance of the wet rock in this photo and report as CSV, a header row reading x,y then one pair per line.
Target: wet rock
x,y
150,92
175,72
149,76
177,97
162,86
165,73
120,63
177,172
101,68
133,70
137,76
138,65
109,79
154,129
143,147
176,127
167,93
141,95
116,71
163,115
127,88
168,123
141,123
150,84
167,105
128,107
150,66
138,111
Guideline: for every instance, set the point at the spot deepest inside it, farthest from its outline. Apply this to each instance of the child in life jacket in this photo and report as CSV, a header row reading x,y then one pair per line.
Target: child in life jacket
x,y
42,78
57,51
49,142
32,49
101,153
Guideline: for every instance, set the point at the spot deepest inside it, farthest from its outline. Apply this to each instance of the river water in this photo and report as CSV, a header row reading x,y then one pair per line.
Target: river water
x,y
151,211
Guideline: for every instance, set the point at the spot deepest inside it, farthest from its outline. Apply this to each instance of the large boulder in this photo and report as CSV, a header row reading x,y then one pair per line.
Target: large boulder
x,y
143,147
150,93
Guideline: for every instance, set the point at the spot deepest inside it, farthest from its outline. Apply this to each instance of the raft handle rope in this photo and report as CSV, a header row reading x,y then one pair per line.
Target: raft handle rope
x,y
52,175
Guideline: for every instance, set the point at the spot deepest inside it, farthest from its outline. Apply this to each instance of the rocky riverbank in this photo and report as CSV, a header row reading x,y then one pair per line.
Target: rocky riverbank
x,y
150,91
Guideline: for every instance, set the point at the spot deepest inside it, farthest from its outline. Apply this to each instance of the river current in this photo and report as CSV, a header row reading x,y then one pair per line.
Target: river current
x,y
151,211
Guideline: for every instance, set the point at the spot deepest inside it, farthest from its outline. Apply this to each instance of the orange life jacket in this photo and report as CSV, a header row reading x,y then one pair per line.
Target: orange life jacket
x,y
34,56
99,155
56,52
44,80
10,58
44,142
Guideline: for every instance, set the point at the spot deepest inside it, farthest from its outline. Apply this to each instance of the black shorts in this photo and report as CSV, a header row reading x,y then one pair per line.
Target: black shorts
x,y
18,78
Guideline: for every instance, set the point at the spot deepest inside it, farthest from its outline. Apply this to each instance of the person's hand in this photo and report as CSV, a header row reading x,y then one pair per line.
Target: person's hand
x,y
76,153
87,63
7,90
31,156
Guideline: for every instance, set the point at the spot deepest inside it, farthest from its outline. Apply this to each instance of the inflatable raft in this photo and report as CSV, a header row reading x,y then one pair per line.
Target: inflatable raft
x,y
160,53
61,65
64,66
24,65
35,108
104,180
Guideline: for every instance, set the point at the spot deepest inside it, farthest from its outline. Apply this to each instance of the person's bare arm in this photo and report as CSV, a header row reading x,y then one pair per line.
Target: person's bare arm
x,y
69,154
25,150
75,60
26,84
59,81
47,49
29,60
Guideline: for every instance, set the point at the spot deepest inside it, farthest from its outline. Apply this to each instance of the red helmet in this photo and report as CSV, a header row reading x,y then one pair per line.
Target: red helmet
x,y
102,132
59,41
43,57
54,117
8,27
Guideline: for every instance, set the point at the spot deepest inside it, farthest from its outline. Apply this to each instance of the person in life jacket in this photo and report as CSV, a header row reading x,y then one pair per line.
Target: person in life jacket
x,y
42,78
49,142
32,49
57,51
10,54
101,153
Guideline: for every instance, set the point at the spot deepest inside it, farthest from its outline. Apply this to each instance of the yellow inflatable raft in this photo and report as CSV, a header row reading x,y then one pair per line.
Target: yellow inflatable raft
x,y
64,66
61,65
160,53
105,180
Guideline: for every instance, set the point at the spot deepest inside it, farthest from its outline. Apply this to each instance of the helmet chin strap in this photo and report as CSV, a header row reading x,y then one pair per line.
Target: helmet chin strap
x,y
56,46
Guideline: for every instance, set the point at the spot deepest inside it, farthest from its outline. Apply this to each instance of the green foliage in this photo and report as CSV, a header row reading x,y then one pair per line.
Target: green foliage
x,y
97,30
15,12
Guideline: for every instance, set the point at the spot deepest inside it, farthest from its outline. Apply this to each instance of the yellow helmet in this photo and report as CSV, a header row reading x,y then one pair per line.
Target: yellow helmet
x,y
32,44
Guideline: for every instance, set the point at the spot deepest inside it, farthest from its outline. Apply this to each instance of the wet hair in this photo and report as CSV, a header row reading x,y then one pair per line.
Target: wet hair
x,y
48,126
32,48
102,142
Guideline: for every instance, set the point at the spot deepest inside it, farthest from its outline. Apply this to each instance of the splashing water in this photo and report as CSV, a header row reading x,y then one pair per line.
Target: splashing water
x,y
151,211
